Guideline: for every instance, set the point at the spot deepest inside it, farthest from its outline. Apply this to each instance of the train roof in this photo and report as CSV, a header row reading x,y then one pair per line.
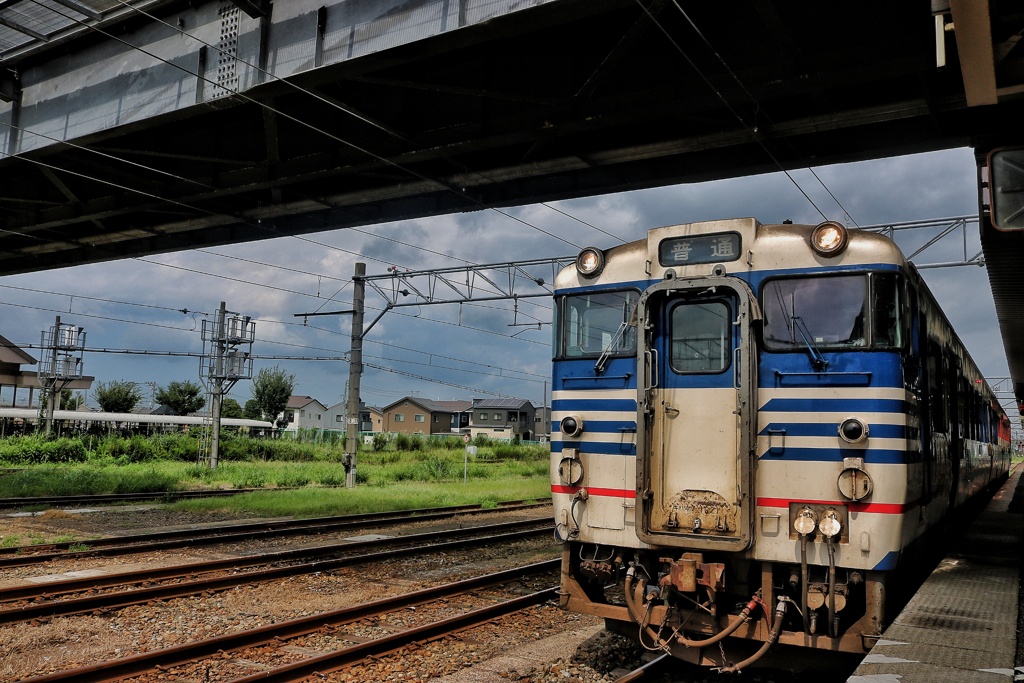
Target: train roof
x,y
746,245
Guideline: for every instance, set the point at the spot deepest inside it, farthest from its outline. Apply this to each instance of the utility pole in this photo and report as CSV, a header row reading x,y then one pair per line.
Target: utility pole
x,y
355,367
355,373
225,364
63,364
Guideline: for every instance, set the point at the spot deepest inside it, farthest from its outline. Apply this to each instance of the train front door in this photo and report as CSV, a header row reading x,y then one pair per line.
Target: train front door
x,y
696,404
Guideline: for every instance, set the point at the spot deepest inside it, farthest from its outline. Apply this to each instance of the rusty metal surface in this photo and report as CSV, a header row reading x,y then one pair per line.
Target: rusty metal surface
x,y
128,545
118,669
415,543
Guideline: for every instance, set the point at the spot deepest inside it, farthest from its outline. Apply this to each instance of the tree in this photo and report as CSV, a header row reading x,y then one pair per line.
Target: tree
x,y
252,410
230,408
271,390
117,396
68,400
181,397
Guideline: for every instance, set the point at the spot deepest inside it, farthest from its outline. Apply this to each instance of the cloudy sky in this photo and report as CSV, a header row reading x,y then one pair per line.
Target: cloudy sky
x,y
453,352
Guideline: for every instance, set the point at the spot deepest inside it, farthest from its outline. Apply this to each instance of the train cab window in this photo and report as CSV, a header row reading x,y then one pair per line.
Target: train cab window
x,y
588,324
835,312
700,337
824,311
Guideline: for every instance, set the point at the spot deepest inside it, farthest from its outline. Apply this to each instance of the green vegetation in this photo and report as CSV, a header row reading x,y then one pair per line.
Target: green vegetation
x,y
314,502
117,396
427,472
182,397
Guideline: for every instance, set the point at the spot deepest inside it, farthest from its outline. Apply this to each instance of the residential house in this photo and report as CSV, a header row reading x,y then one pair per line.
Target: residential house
x,y
374,418
411,415
542,426
504,418
303,412
371,419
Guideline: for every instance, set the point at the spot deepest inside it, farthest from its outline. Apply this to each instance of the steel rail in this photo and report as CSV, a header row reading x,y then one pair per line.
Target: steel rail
x,y
417,543
128,545
350,655
651,668
110,601
105,672
101,498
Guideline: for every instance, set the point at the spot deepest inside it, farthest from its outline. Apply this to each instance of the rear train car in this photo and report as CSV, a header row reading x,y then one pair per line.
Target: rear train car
x,y
752,427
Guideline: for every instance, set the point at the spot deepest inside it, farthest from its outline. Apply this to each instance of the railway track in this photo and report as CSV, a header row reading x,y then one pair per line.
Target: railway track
x,y
247,647
78,596
111,498
20,556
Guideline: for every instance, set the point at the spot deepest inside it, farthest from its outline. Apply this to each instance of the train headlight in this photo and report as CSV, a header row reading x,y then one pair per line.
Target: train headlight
x,y
853,430
571,425
804,522
590,262
830,525
829,238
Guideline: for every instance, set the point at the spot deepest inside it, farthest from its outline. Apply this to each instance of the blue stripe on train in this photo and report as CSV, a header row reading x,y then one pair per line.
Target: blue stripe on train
x,y
887,562
605,426
881,455
832,429
836,405
625,405
625,447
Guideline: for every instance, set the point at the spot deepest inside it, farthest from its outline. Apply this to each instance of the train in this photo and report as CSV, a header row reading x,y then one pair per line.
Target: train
x,y
755,428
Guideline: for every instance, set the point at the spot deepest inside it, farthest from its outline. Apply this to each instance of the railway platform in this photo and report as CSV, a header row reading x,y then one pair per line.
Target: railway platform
x,y
961,625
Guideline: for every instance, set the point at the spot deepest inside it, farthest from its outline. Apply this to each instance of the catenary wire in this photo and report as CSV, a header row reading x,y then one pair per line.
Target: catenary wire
x,y
753,99
728,106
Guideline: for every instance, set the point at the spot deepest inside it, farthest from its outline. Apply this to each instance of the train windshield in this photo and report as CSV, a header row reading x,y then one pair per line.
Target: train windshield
x,y
833,312
588,325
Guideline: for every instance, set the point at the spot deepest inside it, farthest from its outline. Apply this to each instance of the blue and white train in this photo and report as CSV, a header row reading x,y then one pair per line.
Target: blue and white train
x,y
752,427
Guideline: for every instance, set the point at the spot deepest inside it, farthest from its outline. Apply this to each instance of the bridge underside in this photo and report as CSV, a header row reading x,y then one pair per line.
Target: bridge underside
x,y
564,99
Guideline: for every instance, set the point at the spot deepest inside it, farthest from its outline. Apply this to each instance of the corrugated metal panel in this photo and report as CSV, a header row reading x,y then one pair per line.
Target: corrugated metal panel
x,y
41,20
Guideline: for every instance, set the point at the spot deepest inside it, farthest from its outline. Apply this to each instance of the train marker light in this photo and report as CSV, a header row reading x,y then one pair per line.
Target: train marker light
x,y
590,262
570,425
829,525
853,430
829,238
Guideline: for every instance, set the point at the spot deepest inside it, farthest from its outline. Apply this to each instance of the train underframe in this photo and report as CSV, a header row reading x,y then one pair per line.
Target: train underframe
x,y
723,612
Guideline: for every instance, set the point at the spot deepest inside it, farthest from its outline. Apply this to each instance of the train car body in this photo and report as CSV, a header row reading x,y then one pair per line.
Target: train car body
x,y
752,425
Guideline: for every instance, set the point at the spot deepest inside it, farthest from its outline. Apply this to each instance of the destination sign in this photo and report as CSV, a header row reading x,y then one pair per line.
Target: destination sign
x,y
683,251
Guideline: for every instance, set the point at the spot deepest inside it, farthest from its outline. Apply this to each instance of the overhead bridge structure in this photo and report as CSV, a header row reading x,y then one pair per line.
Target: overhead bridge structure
x,y
132,127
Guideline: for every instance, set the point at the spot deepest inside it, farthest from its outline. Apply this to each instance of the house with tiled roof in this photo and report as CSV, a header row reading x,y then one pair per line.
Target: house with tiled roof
x,y
413,415
303,412
371,418
504,418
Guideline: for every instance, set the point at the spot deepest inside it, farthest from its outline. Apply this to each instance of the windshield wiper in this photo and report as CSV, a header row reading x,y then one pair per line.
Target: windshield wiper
x,y
818,361
602,360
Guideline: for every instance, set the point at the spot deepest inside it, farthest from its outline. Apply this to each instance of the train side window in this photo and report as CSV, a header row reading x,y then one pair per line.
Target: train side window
x,y
936,388
887,307
700,337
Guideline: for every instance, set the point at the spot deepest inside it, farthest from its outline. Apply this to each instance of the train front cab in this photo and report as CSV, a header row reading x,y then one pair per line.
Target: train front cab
x,y
744,495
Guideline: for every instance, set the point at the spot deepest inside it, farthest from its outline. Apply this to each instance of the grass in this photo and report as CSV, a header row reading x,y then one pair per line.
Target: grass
x,y
313,502
311,482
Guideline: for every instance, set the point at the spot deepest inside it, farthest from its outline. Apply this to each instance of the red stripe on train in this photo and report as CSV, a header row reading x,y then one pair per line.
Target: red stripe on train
x,y
613,493
878,508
